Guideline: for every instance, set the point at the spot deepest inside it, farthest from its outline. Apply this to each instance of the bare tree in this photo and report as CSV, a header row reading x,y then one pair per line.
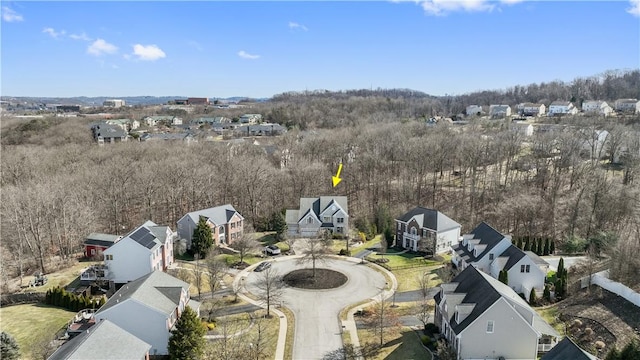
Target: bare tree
x,y
198,274
314,251
245,245
215,271
383,318
270,288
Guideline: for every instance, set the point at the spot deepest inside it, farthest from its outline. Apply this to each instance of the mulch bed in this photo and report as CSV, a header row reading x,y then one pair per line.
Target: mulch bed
x,y
324,279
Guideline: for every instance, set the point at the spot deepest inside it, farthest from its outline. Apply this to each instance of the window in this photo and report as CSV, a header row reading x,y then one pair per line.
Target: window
x,y
340,220
490,257
327,219
413,230
309,220
522,267
339,230
93,252
490,326
233,225
108,257
399,226
528,268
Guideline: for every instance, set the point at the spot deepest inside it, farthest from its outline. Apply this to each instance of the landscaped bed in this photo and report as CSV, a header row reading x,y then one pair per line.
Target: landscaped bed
x,y
323,279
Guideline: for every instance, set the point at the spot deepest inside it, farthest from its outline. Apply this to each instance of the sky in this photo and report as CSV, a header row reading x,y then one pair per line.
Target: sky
x,y
220,49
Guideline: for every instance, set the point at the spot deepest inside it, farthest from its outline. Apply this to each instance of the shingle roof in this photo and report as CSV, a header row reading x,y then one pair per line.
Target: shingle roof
x,y
157,290
536,259
318,205
218,215
101,239
149,235
487,235
567,349
514,255
103,341
430,219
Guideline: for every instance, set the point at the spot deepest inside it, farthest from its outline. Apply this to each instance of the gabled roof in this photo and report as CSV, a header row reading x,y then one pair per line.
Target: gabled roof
x,y
103,341
514,255
430,219
101,239
567,349
487,235
320,204
149,235
536,259
560,103
482,290
218,215
157,290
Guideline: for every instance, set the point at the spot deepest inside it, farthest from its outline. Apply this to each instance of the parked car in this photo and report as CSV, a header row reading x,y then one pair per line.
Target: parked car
x,y
263,266
272,250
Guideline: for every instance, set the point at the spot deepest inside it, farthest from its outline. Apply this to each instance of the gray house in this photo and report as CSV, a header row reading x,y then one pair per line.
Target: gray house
x,y
483,318
97,343
428,230
225,222
315,214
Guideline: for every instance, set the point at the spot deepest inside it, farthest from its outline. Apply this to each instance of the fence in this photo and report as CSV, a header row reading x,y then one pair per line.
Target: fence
x,y
602,279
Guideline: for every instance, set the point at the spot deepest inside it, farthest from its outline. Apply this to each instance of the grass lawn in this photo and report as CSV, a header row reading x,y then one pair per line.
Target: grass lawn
x,y
342,244
291,327
60,278
270,328
31,323
550,315
400,345
408,278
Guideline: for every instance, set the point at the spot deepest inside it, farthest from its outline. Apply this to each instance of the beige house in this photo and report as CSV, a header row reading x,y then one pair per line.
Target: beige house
x,y
531,109
558,108
499,111
316,214
483,318
627,105
597,107
226,224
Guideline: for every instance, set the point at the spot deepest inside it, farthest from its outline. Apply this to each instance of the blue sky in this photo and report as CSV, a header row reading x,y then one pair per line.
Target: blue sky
x,y
258,49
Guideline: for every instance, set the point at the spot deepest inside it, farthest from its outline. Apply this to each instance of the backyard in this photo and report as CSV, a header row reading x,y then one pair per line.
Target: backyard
x,y
401,345
33,324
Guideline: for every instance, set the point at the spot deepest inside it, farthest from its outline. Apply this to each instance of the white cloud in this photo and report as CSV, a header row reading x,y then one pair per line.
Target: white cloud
x,y
53,33
196,45
635,8
443,7
101,47
148,52
82,36
295,25
245,55
9,15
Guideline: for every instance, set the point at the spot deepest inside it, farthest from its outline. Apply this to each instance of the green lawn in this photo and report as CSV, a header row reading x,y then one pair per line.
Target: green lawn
x,y
32,323
408,278
60,278
342,244
401,345
269,329
550,315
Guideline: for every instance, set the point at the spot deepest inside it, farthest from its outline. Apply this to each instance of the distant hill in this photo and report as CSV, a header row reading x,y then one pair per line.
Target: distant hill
x,y
129,100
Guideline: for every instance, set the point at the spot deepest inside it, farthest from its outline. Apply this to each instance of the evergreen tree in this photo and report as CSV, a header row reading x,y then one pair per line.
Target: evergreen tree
x,y
560,271
388,236
533,298
279,224
547,293
527,245
539,247
613,354
545,250
631,351
503,277
520,243
552,247
9,349
187,340
202,239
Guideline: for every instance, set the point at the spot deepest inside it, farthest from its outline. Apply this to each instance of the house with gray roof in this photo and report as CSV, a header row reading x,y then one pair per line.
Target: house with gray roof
x,y
103,341
567,349
261,130
427,230
96,243
320,213
558,108
149,308
479,248
109,134
523,272
499,111
482,318
147,248
225,222
627,106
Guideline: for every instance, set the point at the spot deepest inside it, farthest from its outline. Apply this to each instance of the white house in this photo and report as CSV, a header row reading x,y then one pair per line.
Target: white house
x,y
627,105
523,272
490,251
225,222
531,109
250,118
148,308
147,248
483,318
428,230
315,214
97,343
499,111
474,110
562,108
597,107
522,128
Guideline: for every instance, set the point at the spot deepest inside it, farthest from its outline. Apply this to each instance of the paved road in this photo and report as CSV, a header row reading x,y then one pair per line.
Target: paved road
x,y
317,329
413,295
231,310
366,252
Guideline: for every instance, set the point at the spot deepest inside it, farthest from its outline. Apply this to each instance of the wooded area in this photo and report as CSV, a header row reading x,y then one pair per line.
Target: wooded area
x,y
58,185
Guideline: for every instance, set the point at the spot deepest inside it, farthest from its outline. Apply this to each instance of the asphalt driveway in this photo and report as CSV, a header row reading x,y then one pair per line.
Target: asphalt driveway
x,y
317,329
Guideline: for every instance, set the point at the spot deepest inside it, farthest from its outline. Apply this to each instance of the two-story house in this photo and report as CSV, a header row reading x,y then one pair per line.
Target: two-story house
x,y
597,107
474,110
483,318
480,248
562,108
147,248
524,272
426,230
499,111
225,222
627,106
149,308
103,341
320,213
531,109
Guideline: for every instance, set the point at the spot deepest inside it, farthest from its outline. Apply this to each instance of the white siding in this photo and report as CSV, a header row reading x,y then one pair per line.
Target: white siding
x,y
143,322
523,282
484,263
130,261
447,239
512,336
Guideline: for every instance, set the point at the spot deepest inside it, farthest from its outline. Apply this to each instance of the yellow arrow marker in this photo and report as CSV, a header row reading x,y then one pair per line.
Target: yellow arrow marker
x,y
336,179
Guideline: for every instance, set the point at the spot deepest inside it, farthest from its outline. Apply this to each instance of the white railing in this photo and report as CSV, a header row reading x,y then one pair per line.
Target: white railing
x,y
545,347
409,236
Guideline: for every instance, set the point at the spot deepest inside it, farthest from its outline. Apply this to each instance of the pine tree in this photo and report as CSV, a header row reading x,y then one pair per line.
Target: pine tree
x,y
520,243
547,293
503,277
560,271
279,224
9,349
527,245
631,351
187,340
545,250
538,246
613,354
202,239
533,298
552,247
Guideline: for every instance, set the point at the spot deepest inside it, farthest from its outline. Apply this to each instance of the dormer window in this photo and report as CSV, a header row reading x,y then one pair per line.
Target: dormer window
x,y
309,220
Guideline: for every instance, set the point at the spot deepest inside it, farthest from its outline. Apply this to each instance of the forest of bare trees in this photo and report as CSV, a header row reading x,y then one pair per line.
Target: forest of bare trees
x,y
58,186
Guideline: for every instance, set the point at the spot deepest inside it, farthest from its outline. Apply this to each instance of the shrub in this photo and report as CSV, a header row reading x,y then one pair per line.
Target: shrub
x,y
576,323
344,252
338,236
426,340
599,345
431,328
